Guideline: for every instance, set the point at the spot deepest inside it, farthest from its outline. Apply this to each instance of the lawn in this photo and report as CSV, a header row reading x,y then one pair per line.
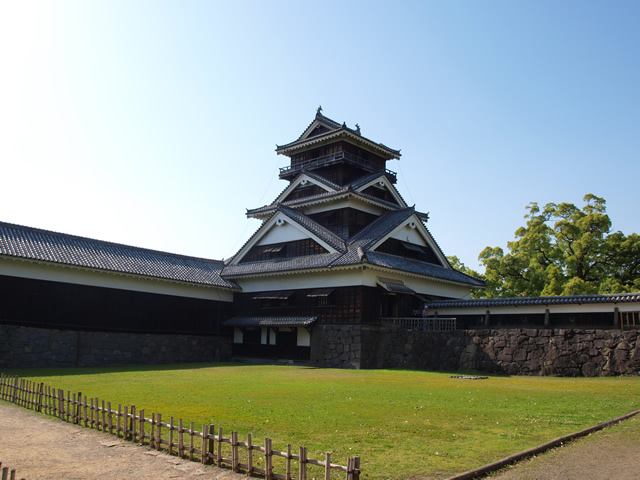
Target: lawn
x,y
403,424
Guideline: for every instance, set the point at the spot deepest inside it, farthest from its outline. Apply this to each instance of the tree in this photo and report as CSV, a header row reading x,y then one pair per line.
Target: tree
x,y
564,250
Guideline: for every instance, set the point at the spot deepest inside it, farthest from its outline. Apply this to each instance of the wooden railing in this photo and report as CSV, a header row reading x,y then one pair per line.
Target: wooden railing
x,y
423,323
330,159
131,424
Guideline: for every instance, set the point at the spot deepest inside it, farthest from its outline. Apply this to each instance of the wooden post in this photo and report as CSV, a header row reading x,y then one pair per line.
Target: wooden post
x,y
110,417
191,434
180,439
219,448
158,433
141,414
268,459
487,319
119,415
616,319
288,468
234,451
171,437
134,431
547,318
303,463
356,468
61,404
327,466
249,456
152,434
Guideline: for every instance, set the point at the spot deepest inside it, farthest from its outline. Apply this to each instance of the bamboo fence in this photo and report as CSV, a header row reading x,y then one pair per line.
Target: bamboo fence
x,y
7,474
205,446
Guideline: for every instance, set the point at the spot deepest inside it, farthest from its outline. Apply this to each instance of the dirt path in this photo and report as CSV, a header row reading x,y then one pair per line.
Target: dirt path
x,y
610,453
40,448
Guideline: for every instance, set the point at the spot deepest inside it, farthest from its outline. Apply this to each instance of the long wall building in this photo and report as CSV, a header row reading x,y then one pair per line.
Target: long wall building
x,y
337,254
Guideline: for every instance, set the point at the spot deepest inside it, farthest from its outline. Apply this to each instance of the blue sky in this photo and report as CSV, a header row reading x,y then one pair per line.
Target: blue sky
x,y
154,123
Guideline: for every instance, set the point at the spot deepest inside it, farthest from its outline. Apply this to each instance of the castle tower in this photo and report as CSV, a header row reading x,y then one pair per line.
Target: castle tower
x,y
338,251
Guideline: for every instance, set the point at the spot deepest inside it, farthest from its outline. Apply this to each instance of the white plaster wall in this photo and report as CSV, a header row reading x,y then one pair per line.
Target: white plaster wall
x,y
282,233
304,337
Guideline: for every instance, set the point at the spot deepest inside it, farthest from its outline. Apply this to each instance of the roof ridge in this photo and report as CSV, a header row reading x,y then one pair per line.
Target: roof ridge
x,y
327,235
102,242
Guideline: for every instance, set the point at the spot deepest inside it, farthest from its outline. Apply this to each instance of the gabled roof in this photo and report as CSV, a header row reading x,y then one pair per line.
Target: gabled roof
x,y
356,251
323,128
334,192
312,226
26,243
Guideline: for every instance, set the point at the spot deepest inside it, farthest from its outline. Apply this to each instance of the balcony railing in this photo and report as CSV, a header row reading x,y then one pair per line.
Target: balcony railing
x,y
438,324
331,159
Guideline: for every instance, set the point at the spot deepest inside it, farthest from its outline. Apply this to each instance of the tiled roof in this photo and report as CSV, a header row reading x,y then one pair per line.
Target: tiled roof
x,y
42,245
355,252
280,265
528,301
334,128
421,268
321,198
270,321
312,226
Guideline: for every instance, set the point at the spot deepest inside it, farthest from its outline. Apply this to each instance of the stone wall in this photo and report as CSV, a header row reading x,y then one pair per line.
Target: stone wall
x,y
336,346
560,352
38,347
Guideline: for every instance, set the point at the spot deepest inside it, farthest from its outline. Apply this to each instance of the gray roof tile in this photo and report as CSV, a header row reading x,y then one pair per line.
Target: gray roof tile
x,y
529,301
46,246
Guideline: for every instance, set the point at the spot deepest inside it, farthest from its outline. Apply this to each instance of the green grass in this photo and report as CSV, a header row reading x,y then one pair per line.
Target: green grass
x,y
403,424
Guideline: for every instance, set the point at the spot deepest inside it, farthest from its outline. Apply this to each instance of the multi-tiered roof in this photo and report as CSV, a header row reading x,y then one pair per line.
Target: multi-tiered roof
x,y
340,210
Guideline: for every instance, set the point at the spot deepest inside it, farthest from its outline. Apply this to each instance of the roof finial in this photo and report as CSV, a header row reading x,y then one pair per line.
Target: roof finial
x,y
357,129
319,110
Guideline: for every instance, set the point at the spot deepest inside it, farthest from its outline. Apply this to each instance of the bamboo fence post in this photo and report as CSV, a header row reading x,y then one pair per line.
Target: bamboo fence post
x,y
303,464
268,459
60,404
158,433
203,457
40,396
142,421
171,436
79,408
152,434
134,424
14,394
125,423
234,451
68,416
84,407
219,448
73,410
327,466
104,417
288,470
119,418
356,468
110,417
249,456
180,439
191,434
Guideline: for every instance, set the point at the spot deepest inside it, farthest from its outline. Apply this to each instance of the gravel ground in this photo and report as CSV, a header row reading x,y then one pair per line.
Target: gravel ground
x,y
39,447
42,448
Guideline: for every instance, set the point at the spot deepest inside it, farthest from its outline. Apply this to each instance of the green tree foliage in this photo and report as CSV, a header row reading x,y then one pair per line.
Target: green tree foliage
x,y
564,250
